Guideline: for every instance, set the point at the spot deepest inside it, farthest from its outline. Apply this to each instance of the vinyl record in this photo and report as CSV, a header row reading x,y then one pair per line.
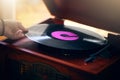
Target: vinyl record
x,y
66,38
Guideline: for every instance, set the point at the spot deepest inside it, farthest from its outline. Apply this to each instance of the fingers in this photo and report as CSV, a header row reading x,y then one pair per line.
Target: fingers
x,y
20,26
19,34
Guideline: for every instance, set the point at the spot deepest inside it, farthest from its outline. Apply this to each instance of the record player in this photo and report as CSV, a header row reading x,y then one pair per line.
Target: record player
x,y
54,51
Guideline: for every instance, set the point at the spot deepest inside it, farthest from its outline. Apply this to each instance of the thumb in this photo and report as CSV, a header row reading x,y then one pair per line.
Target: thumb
x,y
19,34
21,27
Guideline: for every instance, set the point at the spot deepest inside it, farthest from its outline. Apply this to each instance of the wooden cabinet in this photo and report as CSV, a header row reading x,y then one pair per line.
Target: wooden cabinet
x,y
24,59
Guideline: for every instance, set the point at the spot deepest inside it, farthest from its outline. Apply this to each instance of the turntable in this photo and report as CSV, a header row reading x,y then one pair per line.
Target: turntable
x,y
66,39
54,51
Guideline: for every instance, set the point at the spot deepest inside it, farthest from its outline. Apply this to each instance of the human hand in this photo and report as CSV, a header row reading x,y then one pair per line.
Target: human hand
x,y
13,29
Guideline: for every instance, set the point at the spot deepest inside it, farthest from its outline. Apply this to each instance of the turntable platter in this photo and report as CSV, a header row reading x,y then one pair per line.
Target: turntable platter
x,y
66,38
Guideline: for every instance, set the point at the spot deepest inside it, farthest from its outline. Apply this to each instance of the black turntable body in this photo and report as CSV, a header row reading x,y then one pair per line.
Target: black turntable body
x,y
54,51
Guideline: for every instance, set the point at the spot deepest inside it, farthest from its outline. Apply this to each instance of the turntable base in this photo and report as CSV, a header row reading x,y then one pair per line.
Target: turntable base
x,y
26,52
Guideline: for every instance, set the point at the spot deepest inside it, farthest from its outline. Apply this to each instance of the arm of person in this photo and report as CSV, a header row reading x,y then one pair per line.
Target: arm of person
x,y
12,29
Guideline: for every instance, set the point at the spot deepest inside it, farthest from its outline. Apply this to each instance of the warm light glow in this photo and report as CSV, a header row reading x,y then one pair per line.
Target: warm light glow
x,y
8,2
30,12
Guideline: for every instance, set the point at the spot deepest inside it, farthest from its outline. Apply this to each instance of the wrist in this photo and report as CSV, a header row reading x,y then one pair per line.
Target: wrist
x,y
2,27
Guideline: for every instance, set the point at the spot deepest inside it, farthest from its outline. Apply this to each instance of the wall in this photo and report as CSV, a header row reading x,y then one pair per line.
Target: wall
x,y
7,9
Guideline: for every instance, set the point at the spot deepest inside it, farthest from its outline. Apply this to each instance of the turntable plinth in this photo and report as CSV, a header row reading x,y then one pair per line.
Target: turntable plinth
x,y
28,52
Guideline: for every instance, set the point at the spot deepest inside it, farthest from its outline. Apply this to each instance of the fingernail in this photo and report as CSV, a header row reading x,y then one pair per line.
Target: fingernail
x,y
19,31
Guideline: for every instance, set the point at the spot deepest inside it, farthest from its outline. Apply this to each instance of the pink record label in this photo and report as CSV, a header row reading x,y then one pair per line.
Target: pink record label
x,y
65,35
